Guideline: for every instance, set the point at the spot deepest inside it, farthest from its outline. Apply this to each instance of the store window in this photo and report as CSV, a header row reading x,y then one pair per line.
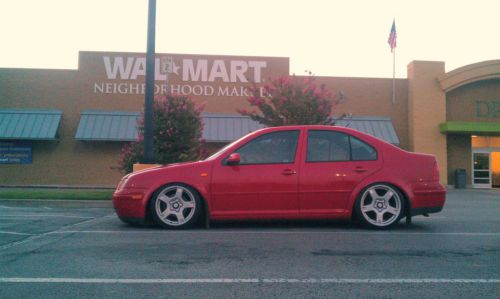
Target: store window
x,y
479,141
485,161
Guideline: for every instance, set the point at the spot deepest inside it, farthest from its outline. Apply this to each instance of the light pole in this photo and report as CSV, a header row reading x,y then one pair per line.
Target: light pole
x,y
150,80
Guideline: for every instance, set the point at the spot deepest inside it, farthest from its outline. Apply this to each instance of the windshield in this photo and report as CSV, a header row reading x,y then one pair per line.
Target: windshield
x,y
222,150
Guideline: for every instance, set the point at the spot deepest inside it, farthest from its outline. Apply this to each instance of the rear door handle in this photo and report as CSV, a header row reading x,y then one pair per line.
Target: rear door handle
x,y
360,169
288,172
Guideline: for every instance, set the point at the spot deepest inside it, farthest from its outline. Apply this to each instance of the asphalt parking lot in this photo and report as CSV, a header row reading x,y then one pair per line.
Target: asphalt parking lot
x,y
54,249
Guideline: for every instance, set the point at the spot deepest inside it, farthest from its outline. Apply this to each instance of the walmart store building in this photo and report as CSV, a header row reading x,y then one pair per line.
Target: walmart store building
x,y
66,127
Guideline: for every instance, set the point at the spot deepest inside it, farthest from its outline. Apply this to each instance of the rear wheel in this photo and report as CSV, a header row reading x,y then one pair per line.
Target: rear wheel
x,y
175,206
380,206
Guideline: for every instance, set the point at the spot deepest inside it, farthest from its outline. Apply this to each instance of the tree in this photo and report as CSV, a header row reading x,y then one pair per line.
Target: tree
x,y
177,133
289,100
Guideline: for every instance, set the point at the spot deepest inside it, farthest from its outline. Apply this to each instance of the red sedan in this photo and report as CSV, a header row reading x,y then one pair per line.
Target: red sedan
x,y
294,172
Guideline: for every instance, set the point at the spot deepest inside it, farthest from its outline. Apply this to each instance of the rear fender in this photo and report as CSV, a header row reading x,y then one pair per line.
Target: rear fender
x,y
405,190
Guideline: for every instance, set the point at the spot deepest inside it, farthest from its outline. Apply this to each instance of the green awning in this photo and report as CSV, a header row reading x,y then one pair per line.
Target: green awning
x,y
107,126
29,124
455,127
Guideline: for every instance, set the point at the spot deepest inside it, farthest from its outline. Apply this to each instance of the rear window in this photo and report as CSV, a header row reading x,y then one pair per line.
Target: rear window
x,y
361,151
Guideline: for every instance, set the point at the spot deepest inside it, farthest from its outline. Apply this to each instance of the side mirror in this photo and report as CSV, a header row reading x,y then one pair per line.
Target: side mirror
x,y
233,159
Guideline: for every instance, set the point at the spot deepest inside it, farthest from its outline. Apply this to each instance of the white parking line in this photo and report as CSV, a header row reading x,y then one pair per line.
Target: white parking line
x,y
6,207
44,215
23,208
14,233
249,280
273,232
35,237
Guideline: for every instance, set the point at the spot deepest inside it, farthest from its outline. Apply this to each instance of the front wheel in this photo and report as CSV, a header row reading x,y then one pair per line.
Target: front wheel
x,y
380,206
175,206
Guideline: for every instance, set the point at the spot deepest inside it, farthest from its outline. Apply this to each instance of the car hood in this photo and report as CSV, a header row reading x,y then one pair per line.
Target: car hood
x,y
164,167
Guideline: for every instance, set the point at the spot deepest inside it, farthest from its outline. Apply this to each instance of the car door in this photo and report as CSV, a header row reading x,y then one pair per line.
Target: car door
x,y
264,182
334,163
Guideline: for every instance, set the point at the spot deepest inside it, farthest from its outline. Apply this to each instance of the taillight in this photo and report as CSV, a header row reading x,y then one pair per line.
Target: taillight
x,y
435,172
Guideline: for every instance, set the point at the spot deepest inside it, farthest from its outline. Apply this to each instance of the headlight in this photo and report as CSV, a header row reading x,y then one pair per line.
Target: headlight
x,y
122,183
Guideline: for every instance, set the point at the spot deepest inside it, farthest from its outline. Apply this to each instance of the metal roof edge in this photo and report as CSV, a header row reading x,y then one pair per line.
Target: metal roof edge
x,y
104,139
221,115
56,138
363,117
31,111
109,112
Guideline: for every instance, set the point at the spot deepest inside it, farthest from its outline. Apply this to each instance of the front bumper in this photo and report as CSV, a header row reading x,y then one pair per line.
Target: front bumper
x,y
130,205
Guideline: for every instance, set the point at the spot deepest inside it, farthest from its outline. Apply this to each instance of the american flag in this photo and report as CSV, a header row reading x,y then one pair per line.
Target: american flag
x,y
393,36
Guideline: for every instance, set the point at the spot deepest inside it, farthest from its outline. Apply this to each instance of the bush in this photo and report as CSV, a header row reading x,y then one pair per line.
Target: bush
x,y
177,134
290,100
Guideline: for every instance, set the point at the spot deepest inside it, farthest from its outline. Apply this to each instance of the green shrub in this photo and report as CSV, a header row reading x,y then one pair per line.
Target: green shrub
x,y
290,100
177,133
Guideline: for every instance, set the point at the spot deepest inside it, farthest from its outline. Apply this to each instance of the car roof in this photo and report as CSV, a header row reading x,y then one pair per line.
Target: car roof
x,y
350,131
314,127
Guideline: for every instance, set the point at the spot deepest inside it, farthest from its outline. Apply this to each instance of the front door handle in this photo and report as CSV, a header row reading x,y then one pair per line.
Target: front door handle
x,y
288,172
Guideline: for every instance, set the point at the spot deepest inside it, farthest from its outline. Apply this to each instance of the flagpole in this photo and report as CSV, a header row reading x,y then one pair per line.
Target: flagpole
x,y
394,76
392,43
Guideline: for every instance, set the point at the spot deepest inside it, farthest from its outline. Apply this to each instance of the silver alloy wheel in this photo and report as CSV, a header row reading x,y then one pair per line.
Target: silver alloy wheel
x,y
175,205
381,205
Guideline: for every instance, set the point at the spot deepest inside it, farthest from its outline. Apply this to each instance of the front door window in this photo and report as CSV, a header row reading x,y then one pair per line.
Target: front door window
x,y
272,148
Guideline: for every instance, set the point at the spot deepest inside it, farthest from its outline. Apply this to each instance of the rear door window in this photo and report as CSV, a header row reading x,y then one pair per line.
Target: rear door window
x,y
330,146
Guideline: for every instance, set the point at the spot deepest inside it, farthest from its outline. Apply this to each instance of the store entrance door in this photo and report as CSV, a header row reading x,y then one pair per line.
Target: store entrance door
x,y
481,169
495,169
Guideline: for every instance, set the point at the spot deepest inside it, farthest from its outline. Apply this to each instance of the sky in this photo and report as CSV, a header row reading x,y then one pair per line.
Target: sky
x,y
329,38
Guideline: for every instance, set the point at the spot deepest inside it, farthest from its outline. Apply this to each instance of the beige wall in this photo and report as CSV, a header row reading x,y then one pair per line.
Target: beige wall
x,y
459,151
474,102
421,105
471,73
426,110
92,72
65,161
71,162
373,97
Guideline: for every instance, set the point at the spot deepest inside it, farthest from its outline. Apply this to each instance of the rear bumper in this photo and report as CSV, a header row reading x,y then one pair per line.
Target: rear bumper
x,y
427,198
426,210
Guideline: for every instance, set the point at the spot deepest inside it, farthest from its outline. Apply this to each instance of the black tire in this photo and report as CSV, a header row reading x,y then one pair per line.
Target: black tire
x,y
175,206
380,206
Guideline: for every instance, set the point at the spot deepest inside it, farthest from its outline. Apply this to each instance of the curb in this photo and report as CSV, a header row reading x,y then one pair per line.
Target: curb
x,y
57,203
